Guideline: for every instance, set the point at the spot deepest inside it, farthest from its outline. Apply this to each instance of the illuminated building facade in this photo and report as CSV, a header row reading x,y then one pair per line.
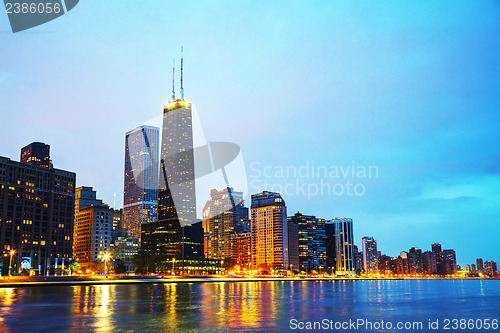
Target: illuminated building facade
x,y
241,247
36,212
93,228
312,246
370,256
140,195
269,231
222,216
341,243
93,233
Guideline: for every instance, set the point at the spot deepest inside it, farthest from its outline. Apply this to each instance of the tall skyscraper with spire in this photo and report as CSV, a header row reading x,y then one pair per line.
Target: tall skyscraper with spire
x,y
177,233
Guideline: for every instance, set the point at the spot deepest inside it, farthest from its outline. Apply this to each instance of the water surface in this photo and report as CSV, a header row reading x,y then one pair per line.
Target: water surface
x,y
243,306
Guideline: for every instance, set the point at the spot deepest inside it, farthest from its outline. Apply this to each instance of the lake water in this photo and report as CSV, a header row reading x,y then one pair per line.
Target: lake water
x,y
248,306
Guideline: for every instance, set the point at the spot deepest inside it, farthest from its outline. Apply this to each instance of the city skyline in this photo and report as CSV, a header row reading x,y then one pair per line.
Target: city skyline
x,y
429,134
274,239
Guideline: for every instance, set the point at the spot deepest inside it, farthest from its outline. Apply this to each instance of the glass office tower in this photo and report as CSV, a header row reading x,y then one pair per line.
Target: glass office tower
x,y
140,196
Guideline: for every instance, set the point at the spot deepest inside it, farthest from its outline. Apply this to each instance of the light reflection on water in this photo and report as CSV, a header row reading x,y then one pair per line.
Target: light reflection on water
x,y
247,306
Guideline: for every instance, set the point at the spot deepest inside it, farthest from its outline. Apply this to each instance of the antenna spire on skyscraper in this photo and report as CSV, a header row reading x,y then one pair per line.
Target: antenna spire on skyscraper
x,y
173,79
182,60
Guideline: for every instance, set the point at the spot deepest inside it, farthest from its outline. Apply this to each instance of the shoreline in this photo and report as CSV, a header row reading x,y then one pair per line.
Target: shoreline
x,y
78,281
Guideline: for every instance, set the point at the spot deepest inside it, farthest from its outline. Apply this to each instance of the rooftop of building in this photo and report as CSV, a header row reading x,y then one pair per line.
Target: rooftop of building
x,y
179,103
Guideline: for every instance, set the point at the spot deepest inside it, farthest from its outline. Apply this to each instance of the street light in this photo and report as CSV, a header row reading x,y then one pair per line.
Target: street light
x,y
249,261
106,257
173,266
11,254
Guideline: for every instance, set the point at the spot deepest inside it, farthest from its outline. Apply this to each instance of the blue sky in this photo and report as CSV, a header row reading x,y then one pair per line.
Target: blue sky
x,y
409,87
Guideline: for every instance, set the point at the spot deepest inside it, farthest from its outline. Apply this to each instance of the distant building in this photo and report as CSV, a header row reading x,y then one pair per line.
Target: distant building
x,y
438,254
342,244
429,262
358,259
223,215
93,229
370,256
480,266
36,210
331,256
293,245
269,231
312,246
473,268
490,268
398,265
140,195
384,264
449,262
37,154
415,262
405,263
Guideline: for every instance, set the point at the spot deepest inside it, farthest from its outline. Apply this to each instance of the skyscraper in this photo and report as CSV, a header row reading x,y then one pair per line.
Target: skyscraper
x,y
480,266
177,233
370,257
293,245
429,262
436,250
449,262
222,215
342,243
415,262
490,268
140,195
269,231
312,246
37,206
